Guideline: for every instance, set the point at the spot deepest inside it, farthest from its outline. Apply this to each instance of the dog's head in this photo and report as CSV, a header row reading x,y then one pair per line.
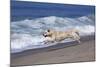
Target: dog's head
x,y
48,33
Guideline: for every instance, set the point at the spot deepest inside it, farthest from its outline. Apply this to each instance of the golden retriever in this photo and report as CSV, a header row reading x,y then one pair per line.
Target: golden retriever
x,y
57,36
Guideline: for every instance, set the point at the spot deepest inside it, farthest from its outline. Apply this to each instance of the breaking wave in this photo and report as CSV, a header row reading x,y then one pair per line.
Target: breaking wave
x,y
27,34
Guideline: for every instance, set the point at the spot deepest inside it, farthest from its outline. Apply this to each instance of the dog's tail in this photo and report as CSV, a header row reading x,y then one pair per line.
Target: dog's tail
x,y
76,31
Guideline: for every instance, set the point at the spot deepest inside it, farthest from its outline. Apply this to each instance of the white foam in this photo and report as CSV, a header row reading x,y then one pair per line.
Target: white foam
x,y
86,30
20,42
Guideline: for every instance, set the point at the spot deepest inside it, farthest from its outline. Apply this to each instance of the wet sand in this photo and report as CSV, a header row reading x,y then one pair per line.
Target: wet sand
x,y
65,54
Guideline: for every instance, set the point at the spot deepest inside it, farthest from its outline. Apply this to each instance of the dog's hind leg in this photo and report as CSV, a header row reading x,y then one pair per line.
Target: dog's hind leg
x,y
76,38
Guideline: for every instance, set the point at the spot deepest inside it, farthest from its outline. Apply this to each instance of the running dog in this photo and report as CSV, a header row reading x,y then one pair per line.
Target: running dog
x,y
57,36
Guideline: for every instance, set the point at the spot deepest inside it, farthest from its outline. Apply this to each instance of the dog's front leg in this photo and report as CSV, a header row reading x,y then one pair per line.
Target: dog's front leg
x,y
46,42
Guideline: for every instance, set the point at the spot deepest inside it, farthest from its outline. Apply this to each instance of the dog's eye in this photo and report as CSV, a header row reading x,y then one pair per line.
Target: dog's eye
x,y
48,30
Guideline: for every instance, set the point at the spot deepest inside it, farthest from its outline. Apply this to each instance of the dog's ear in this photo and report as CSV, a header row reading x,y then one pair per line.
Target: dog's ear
x,y
48,30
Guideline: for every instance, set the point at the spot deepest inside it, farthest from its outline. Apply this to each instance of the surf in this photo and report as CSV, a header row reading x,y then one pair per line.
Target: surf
x,y
27,34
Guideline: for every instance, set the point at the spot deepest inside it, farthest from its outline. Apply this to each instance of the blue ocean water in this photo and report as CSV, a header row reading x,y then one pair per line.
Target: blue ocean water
x,y
21,10
30,19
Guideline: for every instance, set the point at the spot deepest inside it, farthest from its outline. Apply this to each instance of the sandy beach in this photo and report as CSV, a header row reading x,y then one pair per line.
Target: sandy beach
x,y
65,54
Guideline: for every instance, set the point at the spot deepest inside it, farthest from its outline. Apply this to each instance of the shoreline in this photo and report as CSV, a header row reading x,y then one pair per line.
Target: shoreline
x,y
35,56
57,46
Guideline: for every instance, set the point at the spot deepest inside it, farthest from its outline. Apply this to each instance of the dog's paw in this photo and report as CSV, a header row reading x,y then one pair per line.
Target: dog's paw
x,y
79,42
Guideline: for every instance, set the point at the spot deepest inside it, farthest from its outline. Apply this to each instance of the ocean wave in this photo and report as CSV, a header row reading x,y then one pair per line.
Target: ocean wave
x,y
27,34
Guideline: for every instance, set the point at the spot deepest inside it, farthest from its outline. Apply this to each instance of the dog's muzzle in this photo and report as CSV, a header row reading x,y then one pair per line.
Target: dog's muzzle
x,y
45,35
